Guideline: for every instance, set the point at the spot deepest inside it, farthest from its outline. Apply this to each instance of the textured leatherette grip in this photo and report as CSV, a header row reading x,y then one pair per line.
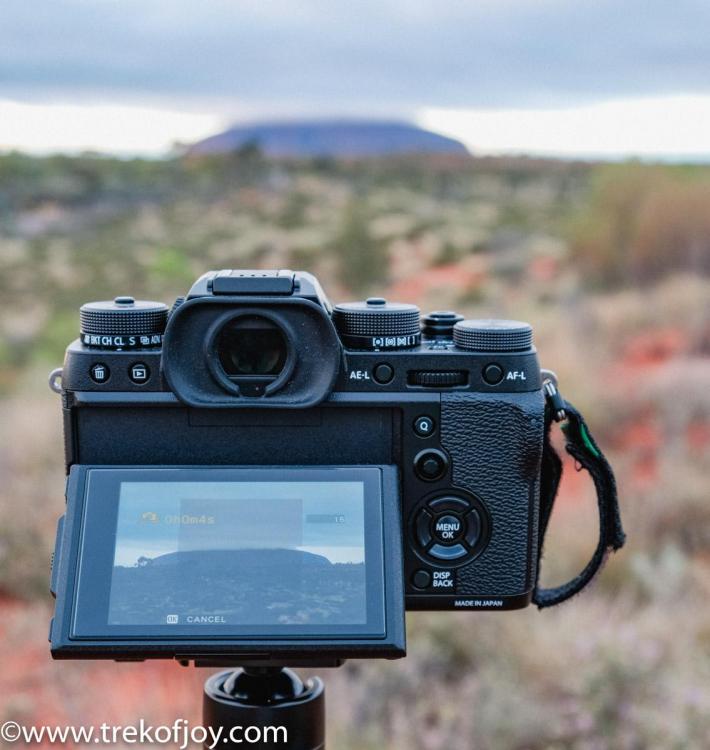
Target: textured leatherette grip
x,y
495,443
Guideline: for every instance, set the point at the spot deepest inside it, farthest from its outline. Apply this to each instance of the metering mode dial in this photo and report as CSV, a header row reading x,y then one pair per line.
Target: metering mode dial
x,y
377,324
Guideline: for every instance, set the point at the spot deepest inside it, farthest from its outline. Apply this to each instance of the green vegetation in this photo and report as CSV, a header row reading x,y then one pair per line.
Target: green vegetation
x,y
90,226
362,261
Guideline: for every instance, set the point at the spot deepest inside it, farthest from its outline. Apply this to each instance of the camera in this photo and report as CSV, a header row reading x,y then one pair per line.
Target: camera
x,y
258,476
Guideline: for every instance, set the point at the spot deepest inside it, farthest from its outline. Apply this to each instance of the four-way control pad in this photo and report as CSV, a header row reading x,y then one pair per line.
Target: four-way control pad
x,y
450,529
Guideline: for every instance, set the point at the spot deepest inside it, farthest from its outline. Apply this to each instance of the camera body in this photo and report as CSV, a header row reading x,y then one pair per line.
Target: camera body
x,y
258,369
254,380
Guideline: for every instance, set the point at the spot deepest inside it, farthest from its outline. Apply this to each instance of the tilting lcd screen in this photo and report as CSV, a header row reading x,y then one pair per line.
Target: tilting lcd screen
x,y
239,553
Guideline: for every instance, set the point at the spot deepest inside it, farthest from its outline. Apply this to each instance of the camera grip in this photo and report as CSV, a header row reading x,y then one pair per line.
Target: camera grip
x,y
495,443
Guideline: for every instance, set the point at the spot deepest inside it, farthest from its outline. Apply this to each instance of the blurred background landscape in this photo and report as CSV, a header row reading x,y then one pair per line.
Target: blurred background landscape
x,y
610,263
547,162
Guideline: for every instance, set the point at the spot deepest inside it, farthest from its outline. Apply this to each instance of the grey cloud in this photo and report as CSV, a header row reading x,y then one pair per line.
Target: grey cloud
x,y
340,56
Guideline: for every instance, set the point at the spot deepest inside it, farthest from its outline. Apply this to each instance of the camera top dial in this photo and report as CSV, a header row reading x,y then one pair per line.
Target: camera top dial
x,y
124,323
377,324
493,335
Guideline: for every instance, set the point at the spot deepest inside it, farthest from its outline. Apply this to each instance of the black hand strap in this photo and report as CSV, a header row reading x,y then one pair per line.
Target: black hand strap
x,y
580,445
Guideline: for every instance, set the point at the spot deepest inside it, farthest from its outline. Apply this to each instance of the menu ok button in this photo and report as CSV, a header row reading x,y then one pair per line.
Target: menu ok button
x,y
448,528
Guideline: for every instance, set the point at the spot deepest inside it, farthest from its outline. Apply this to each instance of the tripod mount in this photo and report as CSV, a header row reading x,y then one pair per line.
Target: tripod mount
x,y
266,706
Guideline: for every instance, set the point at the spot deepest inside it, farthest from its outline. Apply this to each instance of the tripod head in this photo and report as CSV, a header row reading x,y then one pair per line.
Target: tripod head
x,y
276,700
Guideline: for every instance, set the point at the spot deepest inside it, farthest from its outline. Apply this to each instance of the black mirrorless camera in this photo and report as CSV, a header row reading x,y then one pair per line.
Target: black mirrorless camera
x,y
257,476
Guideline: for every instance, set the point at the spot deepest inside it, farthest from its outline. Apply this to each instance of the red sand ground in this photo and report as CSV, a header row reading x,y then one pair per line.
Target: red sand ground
x,y
36,691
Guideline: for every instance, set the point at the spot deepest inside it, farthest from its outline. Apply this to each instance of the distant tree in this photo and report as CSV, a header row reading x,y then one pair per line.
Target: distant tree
x,y
244,165
324,164
362,260
250,151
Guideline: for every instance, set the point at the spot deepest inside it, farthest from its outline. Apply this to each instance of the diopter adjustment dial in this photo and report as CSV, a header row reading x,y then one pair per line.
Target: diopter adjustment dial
x,y
123,323
178,302
377,324
439,324
493,335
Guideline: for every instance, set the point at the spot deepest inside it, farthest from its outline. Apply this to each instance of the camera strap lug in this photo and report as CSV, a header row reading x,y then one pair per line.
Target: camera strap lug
x,y
553,397
55,380
582,447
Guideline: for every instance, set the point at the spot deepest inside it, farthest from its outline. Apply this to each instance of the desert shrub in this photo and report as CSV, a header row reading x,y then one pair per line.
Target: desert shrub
x,y
362,260
642,223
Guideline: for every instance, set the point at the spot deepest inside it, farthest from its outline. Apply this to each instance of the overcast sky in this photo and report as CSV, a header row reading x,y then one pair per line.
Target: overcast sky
x,y
498,73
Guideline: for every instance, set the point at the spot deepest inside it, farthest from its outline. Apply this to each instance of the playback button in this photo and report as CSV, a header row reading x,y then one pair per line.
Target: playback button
x,y
139,373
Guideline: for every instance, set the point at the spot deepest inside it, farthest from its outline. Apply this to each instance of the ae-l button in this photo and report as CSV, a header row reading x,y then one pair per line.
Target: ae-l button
x,y
383,373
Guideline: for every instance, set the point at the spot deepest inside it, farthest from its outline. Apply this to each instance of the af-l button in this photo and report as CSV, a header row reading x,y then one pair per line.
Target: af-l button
x,y
493,373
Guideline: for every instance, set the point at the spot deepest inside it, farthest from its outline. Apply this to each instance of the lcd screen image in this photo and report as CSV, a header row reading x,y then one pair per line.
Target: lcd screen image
x,y
242,553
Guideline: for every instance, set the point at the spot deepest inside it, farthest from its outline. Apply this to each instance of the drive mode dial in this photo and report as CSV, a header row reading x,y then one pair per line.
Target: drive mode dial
x,y
376,324
123,323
